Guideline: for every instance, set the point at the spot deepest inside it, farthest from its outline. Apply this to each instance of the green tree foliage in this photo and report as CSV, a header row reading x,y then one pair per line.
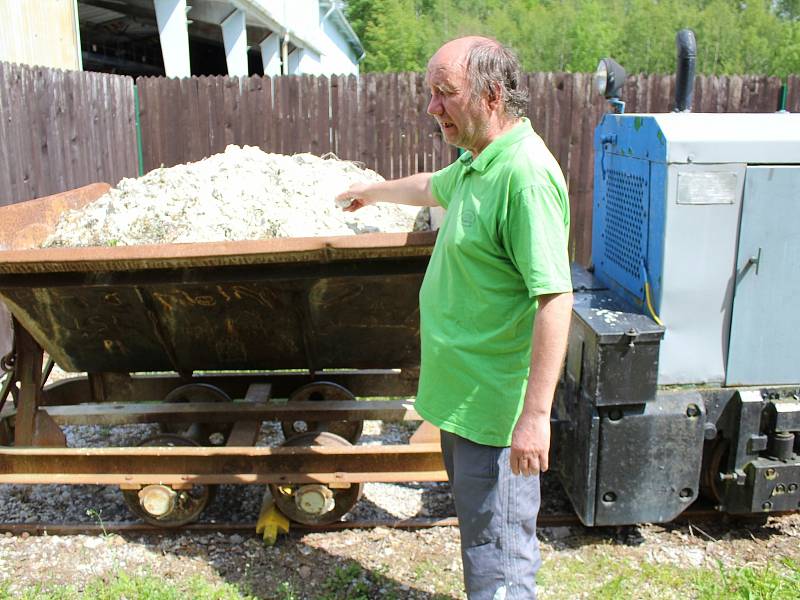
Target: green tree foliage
x,y
394,33
733,36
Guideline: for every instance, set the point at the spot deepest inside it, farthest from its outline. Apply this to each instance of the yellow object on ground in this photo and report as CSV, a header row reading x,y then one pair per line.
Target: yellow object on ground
x,y
271,521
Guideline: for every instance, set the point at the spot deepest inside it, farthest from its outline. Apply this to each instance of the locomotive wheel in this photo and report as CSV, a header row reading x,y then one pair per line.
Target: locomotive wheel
x,y
205,434
320,391
164,506
316,503
713,459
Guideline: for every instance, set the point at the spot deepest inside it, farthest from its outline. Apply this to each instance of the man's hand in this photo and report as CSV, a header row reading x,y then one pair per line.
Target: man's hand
x,y
413,190
354,198
530,445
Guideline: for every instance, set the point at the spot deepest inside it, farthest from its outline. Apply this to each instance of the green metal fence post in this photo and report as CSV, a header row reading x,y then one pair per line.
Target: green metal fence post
x,y
138,130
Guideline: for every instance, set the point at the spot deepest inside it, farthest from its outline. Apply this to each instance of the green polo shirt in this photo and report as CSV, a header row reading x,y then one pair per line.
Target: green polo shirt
x,y
503,242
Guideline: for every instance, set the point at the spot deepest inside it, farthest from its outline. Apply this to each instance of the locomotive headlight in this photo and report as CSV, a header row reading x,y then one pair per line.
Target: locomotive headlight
x,y
608,78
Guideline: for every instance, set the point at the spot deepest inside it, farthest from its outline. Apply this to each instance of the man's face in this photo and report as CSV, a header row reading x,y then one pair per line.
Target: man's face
x,y
464,121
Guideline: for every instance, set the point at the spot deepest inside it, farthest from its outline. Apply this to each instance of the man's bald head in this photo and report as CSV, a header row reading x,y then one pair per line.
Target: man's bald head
x,y
489,67
456,51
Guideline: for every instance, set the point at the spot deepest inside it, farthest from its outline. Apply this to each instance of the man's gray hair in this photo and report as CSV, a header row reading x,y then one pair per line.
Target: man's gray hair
x,y
490,66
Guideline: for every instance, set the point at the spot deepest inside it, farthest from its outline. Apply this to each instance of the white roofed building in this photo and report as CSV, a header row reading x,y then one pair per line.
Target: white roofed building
x,y
179,38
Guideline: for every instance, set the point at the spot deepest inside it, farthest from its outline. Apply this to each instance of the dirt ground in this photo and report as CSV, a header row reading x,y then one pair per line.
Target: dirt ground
x,y
379,563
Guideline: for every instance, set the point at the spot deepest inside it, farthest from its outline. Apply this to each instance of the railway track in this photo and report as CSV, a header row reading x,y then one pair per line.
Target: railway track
x,y
546,520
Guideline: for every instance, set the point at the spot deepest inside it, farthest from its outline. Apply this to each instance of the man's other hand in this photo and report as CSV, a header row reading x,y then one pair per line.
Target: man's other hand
x,y
530,445
354,198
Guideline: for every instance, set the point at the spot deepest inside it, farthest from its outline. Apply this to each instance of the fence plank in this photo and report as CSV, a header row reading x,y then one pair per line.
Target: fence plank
x,y
283,116
13,147
302,111
149,114
267,115
283,122
194,124
582,172
307,140
7,163
404,99
772,95
395,124
24,91
204,130
355,102
636,93
85,135
323,114
372,115
258,109
665,100
381,137
66,114
345,130
734,101
420,133
337,83
793,94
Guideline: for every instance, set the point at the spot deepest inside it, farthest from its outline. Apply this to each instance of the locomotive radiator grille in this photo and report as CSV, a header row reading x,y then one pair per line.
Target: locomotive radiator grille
x,y
625,224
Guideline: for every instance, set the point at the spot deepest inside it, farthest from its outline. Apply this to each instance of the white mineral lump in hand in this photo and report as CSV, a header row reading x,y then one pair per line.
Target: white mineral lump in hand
x,y
243,193
344,202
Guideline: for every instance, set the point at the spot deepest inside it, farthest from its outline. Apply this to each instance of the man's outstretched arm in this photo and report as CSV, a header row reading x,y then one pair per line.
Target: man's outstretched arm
x,y
414,190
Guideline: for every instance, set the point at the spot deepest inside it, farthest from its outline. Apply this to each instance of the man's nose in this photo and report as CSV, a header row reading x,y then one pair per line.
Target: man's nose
x,y
435,106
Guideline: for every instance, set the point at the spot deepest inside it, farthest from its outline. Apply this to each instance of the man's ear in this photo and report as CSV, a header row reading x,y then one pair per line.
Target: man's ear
x,y
495,96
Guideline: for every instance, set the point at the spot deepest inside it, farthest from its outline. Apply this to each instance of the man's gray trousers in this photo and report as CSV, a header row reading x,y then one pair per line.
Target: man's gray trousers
x,y
497,517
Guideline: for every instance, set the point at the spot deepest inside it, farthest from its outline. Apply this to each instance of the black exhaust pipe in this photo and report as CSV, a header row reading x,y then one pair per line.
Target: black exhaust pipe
x,y
684,78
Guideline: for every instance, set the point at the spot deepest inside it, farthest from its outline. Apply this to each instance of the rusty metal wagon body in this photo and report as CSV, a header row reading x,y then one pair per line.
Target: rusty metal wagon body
x,y
203,338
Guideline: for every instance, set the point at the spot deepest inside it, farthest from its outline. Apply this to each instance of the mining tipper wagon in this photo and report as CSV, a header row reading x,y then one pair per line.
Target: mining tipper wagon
x,y
202,338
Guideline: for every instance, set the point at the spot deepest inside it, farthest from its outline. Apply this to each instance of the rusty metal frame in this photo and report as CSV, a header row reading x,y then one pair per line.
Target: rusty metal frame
x,y
189,412
203,465
30,461
122,389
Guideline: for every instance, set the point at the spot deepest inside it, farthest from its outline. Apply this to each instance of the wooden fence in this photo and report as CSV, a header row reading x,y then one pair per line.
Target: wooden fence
x,y
381,121
62,130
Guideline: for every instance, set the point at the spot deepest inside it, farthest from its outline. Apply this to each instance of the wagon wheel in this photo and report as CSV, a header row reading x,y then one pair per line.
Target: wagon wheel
x,y
8,390
205,434
164,506
316,503
319,391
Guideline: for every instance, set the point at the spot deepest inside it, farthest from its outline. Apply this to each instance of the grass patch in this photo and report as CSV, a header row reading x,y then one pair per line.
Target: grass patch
x,y
286,591
606,578
353,582
781,582
130,587
445,582
597,577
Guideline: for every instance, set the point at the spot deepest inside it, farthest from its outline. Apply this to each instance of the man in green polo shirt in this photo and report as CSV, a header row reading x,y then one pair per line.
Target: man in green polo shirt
x,y
495,307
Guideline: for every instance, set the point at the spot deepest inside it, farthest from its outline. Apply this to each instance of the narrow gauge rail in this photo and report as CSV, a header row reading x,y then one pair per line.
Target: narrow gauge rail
x,y
704,514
